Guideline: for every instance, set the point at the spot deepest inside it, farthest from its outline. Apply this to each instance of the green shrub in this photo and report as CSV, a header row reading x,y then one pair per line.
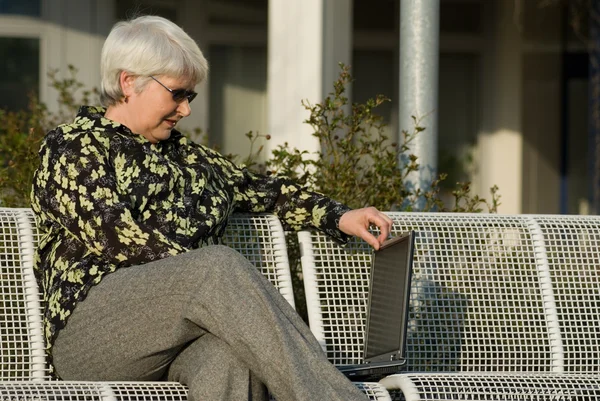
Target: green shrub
x,y
358,165
20,135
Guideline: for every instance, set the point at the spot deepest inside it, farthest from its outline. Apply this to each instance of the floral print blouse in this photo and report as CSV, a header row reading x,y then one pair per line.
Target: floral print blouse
x,y
106,198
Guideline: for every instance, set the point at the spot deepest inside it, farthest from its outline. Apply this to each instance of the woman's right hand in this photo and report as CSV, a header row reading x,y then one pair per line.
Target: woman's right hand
x,y
357,222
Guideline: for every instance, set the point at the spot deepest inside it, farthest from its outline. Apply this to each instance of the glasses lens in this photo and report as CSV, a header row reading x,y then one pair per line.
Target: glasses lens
x,y
180,94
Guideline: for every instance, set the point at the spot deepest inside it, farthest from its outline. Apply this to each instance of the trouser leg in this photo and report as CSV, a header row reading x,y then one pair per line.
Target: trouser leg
x,y
220,376
137,320
266,333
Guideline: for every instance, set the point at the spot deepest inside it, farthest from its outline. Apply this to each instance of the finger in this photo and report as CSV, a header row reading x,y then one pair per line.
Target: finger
x,y
369,238
389,220
385,225
383,236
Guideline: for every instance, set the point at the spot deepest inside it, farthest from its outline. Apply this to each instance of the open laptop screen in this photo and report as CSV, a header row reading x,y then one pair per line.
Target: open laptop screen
x,y
388,299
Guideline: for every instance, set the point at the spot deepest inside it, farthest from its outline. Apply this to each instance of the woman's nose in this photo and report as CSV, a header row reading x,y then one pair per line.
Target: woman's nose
x,y
184,108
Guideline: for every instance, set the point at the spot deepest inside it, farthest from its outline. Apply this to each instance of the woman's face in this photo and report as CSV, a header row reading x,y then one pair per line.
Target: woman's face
x,y
155,112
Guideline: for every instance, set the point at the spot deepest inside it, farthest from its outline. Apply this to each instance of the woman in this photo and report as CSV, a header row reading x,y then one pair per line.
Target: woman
x,y
132,212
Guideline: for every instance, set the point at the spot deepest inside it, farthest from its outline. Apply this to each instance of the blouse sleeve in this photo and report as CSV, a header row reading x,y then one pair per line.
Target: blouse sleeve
x,y
296,207
77,190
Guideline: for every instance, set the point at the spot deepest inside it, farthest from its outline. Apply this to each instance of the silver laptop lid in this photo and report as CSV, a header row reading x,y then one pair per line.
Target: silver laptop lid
x,y
389,292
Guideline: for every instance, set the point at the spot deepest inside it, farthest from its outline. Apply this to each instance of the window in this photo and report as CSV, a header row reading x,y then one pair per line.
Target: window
x,y
30,8
19,71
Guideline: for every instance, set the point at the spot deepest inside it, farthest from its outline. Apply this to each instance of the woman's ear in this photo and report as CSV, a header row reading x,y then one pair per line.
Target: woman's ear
x,y
127,82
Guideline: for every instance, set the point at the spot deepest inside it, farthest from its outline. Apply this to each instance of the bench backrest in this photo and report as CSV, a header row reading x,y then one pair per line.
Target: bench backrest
x,y
572,256
489,292
258,237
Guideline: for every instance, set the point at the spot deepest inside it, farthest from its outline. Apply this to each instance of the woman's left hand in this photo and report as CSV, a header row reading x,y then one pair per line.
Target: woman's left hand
x,y
357,222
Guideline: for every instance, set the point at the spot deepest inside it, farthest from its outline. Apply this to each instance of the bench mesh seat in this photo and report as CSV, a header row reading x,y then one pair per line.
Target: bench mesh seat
x,y
496,386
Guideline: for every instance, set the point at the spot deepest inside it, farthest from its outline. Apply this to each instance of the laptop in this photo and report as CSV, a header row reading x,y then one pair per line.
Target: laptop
x,y
387,311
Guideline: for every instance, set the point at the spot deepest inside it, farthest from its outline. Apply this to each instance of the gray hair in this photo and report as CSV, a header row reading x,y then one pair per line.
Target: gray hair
x,y
146,46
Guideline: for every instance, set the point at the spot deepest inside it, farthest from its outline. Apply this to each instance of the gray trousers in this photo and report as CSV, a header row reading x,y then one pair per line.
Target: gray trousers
x,y
207,319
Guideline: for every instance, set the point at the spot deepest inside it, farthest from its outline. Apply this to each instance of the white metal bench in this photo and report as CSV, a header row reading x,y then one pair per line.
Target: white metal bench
x,y
23,367
502,307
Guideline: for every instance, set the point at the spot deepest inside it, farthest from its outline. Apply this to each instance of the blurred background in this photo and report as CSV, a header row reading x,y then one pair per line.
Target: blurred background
x,y
517,92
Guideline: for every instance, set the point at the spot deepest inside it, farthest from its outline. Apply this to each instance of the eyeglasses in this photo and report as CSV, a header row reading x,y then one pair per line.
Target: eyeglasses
x,y
179,94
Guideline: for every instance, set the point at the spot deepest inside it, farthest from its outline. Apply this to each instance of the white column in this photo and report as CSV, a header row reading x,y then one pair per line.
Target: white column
x,y
419,77
307,41
501,142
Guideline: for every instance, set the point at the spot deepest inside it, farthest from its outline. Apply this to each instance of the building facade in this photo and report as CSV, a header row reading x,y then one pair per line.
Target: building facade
x,y
513,106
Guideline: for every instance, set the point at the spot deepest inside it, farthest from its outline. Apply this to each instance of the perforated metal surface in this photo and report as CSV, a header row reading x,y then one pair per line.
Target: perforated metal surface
x,y
259,237
374,391
93,391
479,296
501,386
514,298
476,302
21,344
121,391
573,253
